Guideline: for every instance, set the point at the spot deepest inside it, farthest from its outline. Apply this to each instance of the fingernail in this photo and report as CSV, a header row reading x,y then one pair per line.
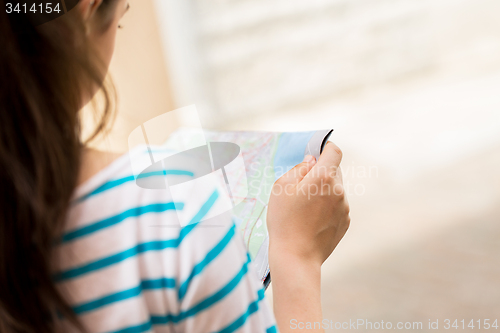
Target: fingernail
x,y
309,159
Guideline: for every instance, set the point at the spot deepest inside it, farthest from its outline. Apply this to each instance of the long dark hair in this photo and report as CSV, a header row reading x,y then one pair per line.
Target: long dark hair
x,y
46,73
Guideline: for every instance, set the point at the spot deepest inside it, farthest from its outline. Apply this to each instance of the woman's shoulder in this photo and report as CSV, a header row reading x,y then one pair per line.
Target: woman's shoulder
x,y
94,163
114,203
127,174
115,183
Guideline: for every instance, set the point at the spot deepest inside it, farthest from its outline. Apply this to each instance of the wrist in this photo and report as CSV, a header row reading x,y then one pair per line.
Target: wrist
x,y
293,254
283,257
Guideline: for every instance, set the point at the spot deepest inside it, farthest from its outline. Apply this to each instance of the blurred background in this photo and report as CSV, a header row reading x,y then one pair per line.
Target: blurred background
x,y
412,88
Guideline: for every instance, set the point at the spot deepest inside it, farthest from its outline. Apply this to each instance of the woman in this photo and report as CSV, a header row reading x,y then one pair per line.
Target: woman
x,y
77,249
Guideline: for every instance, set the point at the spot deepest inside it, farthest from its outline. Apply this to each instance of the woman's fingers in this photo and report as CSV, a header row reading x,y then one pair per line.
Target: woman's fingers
x,y
327,169
330,157
296,174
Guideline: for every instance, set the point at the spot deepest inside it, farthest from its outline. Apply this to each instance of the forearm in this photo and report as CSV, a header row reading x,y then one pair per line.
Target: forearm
x,y
296,293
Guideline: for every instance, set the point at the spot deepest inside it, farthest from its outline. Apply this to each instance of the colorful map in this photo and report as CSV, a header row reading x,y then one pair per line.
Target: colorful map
x,y
267,156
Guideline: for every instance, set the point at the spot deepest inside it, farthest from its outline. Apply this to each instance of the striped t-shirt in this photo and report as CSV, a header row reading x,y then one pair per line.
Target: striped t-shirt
x,y
126,265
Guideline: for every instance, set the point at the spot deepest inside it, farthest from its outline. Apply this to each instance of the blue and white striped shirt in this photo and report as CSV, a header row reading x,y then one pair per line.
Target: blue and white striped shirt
x,y
126,265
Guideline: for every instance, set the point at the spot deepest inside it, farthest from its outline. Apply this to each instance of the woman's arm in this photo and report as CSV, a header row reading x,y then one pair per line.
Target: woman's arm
x,y
297,293
307,217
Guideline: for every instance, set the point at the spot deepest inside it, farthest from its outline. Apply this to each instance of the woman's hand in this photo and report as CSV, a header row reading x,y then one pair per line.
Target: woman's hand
x,y
307,217
308,214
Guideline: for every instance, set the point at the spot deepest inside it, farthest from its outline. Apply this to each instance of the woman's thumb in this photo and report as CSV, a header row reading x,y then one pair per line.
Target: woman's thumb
x,y
296,174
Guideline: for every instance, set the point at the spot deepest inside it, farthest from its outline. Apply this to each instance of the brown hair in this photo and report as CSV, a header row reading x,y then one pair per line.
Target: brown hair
x,y
45,73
